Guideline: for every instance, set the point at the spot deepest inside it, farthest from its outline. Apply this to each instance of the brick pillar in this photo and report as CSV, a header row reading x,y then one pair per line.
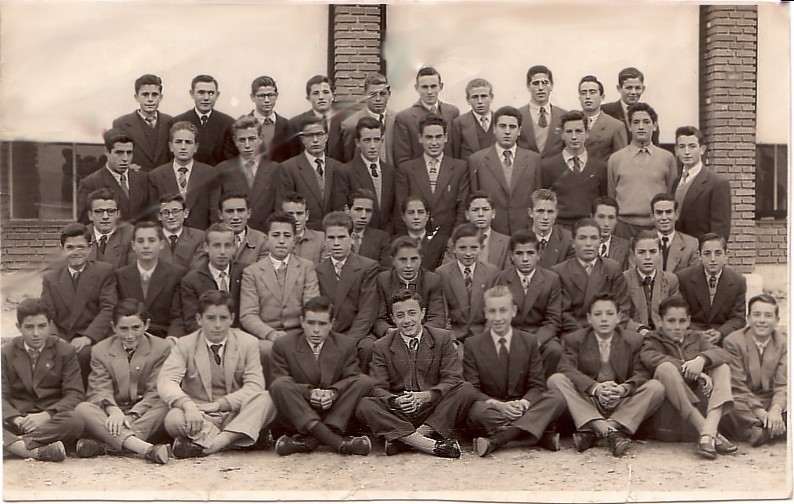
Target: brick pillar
x,y
355,42
728,64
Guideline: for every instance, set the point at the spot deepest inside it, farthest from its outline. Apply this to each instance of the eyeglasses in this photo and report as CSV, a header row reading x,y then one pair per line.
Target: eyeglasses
x,y
169,213
110,211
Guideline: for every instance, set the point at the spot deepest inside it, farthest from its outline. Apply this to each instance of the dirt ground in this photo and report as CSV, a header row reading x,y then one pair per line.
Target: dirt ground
x,y
651,471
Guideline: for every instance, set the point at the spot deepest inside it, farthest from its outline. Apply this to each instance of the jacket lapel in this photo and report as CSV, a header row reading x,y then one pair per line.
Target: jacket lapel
x,y
346,279
724,286
697,187
445,173
45,362
422,179
753,362
85,286
518,358
490,360
156,284
596,280
330,356
701,291
292,276
121,367
534,289
138,365
770,360
202,359
520,169
22,366
459,285
309,178
618,357
424,357
478,287
637,294
495,165
469,132
399,356
231,355
305,358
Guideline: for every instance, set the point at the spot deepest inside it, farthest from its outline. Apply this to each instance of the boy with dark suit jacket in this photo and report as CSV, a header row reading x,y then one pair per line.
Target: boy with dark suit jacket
x,y
368,241
555,243
81,295
153,282
110,239
183,244
605,212
317,385
41,388
320,94
480,212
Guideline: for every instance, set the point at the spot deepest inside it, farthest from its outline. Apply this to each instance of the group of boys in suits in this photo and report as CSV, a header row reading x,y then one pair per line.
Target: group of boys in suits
x,y
506,240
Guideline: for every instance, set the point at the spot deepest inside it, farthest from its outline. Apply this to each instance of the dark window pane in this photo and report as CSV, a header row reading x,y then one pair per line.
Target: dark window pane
x,y
771,181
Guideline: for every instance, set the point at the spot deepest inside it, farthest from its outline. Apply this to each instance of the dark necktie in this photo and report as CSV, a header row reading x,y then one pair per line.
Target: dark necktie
x,y
373,169
380,120
103,243
712,282
665,251
173,239
647,288
504,358
542,120
223,285
182,178
577,164
542,244
281,274
413,344
130,352
204,118
215,353
75,279
603,251
123,183
34,356
467,280
319,163
150,122
316,351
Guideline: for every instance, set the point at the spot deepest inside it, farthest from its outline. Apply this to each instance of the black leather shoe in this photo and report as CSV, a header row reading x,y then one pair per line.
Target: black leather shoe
x,y
550,440
185,448
483,446
87,448
360,445
287,445
157,454
705,447
758,436
53,452
395,447
618,442
583,440
723,446
447,449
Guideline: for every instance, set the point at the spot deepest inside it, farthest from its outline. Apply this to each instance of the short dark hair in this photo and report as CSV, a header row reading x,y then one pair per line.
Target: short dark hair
x,y
401,295
602,296
31,307
411,199
183,126
148,225
75,229
215,298
591,78
280,217
245,122
263,81
664,197
293,197
644,235
103,193
169,198
114,136
203,78
361,193
226,196
217,227
525,237
642,107
536,69
367,122
606,201
689,131
425,71
542,195
711,237
318,304
148,79
375,80
311,121
338,218
672,302
630,73
402,242
475,195
507,110
466,230
130,307
573,115
432,120
318,79
764,298
585,222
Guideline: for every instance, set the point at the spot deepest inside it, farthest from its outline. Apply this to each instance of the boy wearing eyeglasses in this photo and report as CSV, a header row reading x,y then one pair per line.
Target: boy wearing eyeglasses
x,y
182,242
109,238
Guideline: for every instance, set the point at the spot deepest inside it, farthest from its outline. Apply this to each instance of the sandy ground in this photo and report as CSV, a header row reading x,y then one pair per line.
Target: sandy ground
x,y
650,471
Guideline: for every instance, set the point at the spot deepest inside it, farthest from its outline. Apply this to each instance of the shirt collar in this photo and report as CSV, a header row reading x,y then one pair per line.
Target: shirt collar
x,y
599,339
439,158
535,109
72,271
462,267
634,149
544,237
261,118
479,117
312,158
403,280
146,271
199,113
156,115
643,275
669,237
243,235
421,236
222,343
367,162
508,337
215,272
429,108
567,156
189,167
528,277
98,235
320,115
276,263
694,171
178,234
334,262
718,275
407,340
500,151
760,344
28,348
584,263
117,175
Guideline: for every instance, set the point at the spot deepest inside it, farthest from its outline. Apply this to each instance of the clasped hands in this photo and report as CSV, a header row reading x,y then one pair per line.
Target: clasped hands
x,y
29,423
409,402
693,370
608,393
511,410
322,399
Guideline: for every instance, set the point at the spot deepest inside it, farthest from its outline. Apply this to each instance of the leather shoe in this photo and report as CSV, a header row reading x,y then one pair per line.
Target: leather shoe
x,y
87,448
705,447
723,446
157,454
583,440
550,440
287,445
758,436
618,442
447,449
53,452
360,445
395,447
483,446
185,448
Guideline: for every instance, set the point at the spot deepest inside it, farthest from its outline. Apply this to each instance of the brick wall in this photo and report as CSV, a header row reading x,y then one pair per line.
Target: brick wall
x,y
728,64
771,242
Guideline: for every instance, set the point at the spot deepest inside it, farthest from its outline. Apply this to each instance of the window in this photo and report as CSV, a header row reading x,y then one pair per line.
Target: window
x,y
771,181
44,177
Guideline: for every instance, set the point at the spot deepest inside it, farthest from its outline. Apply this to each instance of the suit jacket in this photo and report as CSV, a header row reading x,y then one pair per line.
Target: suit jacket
x,y
438,367
145,154
558,249
130,385
212,137
334,147
282,147
310,246
464,135
525,378
607,135
707,205
55,385
349,151
430,289
292,360
188,249
266,307
432,245
299,176
186,375
683,253
657,349
406,130
376,246
261,196
664,285
352,293
540,309
758,382
385,210
202,196
253,248
118,250
198,281
133,208
498,250
727,313
162,301
575,192
581,359
578,290
619,251
466,312
615,109
447,202
526,139
86,311
510,201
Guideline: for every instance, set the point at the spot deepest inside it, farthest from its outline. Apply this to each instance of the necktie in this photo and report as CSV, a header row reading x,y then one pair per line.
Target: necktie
x,y
603,251
319,163
103,243
380,119
508,159
150,121
603,348
410,286
413,344
123,183
684,177
130,352
268,121
75,279
145,277
356,242
588,267
542,244
467,279
542,120
281,274
525,283
215,353
761,349
712,282
237,241
665,251
590,122
316,351
34,356
204,118
223,284
338,269
173,238
434,110
647,288
325,120
484,122
249,166
433,173
504,357
182,178
373,170
577,164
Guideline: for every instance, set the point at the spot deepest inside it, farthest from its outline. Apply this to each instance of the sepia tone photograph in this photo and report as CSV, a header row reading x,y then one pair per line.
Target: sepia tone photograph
x,y
453,251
